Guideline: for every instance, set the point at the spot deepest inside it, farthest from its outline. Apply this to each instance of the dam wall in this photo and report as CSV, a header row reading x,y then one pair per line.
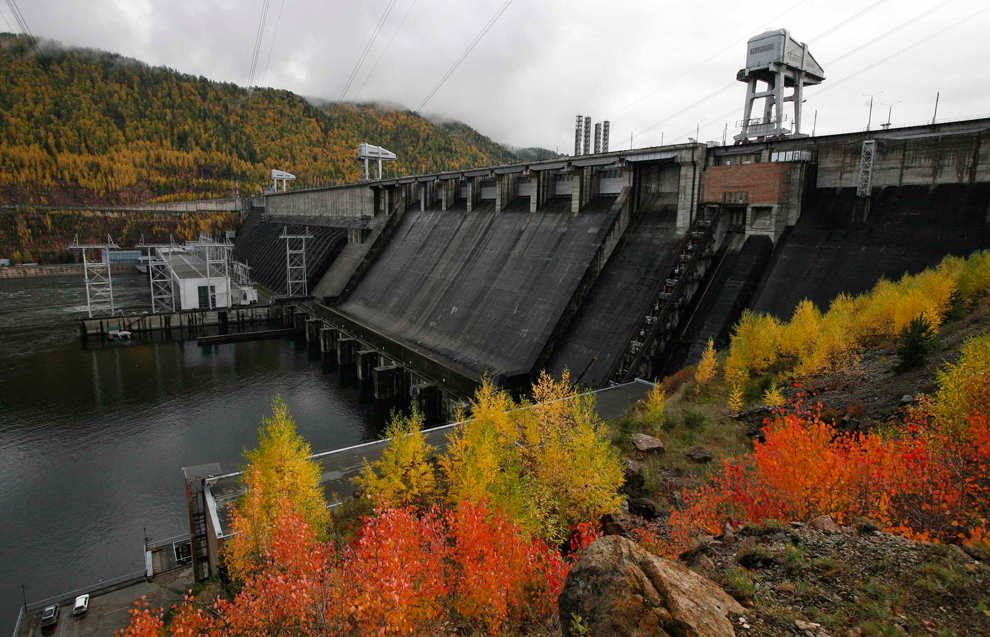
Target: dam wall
x,y
483,290
909,228
263,250
351,201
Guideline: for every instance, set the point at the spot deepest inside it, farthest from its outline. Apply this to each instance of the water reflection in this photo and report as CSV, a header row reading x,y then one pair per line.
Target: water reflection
x,y
93,436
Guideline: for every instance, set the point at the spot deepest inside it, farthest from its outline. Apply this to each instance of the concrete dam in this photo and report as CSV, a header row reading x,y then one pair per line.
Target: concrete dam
x,y
614,265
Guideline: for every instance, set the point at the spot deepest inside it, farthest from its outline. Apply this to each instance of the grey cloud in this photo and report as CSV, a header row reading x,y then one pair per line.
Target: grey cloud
x,y
546,60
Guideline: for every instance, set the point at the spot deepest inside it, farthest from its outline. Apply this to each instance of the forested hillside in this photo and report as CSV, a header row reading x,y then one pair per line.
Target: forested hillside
x,y
115,130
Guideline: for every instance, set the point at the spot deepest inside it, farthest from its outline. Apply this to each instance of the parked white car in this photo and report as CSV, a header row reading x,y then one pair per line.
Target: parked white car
x,y
81,605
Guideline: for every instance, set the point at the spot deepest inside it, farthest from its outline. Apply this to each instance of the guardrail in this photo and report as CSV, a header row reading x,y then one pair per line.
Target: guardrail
x,y
70,595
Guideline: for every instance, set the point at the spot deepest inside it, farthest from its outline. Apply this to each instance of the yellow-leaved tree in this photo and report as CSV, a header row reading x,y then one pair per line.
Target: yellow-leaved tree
x,y
708,367
403,474
964,386
547,464
278,473
656,408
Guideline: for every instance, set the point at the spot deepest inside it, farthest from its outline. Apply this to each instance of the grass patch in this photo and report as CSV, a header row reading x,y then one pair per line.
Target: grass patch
x,y
737,582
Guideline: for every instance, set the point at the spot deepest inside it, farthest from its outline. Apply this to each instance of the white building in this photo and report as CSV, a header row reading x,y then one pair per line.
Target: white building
x,y
193,285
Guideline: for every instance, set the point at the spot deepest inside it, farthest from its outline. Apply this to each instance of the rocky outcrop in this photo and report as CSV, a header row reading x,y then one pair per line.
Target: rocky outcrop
x,y
618,589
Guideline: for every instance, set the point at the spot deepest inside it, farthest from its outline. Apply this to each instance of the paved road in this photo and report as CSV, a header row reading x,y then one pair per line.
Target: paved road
x,y
108,612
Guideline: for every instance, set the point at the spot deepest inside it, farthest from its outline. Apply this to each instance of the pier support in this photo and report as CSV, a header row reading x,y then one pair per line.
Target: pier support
x,y
691,162
506,189
390,382
313,330
581,190
428,398
328,340
367,360
347,348
449,193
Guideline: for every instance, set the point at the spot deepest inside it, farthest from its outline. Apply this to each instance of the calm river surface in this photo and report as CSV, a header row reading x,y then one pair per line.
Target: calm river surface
x,y
93,437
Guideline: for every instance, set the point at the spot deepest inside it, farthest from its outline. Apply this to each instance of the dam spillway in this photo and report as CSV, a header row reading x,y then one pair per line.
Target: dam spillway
x,y
482,289
623,264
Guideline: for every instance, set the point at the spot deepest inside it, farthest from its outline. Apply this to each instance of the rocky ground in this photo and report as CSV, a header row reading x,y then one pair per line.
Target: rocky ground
x,y
821,579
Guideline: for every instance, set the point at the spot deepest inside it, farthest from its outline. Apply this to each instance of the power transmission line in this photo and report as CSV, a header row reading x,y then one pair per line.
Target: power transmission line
x,y
868,68
851,18
257,41
698,66
904,50
891,32
9,28
33,44
818,37
358,94
364,53
274,33
463,56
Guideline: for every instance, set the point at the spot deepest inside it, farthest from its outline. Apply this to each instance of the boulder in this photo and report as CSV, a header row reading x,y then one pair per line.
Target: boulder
x,y
620,590
699,454
634,477
906,400
825,523
644,508
647,444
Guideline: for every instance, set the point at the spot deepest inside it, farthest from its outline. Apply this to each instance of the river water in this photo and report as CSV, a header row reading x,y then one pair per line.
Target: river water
x,y
93,437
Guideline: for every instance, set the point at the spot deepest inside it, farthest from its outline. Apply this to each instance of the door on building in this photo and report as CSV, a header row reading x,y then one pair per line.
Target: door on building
x,y
204,297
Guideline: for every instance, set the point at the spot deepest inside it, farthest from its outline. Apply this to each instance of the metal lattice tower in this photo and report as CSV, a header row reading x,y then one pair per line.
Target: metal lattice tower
x,y
242,272
865,186
295,262
160,274
99,282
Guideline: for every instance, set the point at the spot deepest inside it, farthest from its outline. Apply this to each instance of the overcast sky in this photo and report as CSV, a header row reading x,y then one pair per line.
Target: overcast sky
x,y
545,61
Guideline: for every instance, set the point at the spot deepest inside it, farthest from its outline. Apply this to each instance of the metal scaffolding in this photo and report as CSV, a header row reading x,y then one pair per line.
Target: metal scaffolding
x,y
160,274
99,282
295,262
865,185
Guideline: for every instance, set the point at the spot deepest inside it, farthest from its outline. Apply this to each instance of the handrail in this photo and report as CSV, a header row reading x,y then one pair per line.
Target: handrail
x,y
655,297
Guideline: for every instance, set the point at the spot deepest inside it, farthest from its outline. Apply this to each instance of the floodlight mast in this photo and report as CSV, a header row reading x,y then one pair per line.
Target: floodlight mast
x,y
776,59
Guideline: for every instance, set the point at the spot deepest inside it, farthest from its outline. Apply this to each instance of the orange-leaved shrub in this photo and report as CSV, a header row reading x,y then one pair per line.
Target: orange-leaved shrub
x,y
445,570
924,482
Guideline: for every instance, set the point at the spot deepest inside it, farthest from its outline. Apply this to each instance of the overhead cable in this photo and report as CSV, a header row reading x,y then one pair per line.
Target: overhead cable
x,y
272,46
463,56
818,37
33,44
364,53
698,66
871,67
358,94
257,41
